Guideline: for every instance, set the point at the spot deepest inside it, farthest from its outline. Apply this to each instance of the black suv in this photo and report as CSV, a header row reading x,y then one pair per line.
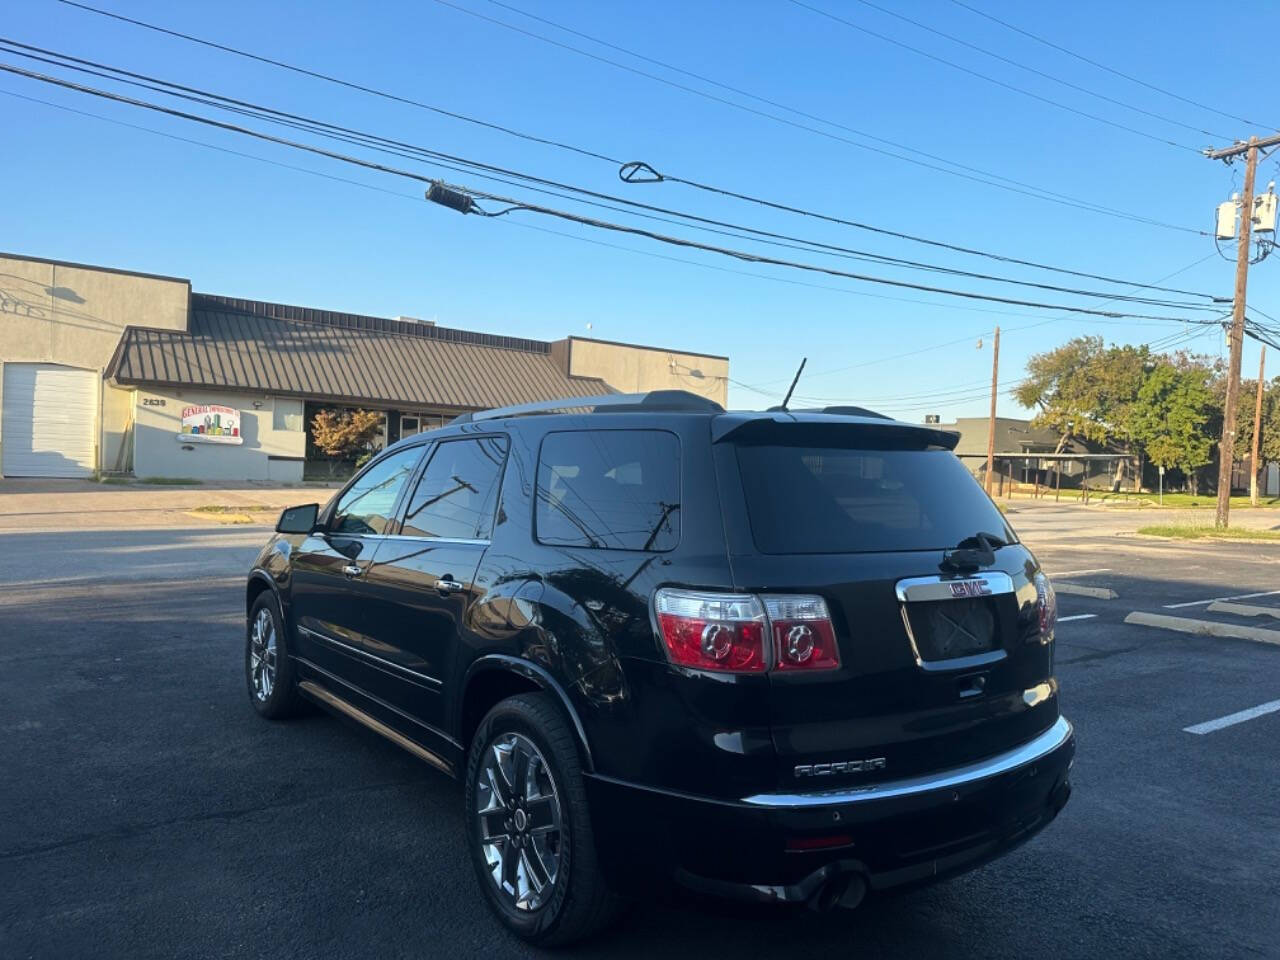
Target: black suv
x,y
785,656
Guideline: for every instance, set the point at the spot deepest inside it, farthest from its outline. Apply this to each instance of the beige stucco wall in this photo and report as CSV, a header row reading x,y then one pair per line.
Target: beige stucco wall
x,y
158,452
72,315
116,415
634,369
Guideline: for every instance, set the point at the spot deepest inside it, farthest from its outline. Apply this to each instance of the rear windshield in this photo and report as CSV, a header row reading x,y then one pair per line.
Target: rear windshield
x,y
838,500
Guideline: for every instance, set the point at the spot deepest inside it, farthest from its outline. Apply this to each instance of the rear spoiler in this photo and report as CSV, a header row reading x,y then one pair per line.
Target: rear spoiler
x,y
818,429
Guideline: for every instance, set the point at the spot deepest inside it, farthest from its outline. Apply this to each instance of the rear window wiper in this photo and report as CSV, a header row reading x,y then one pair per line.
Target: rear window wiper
x,y
977,550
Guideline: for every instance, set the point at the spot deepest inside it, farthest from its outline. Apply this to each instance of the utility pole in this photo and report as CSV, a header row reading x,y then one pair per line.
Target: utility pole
x,y
1257,429
1227,447
991,425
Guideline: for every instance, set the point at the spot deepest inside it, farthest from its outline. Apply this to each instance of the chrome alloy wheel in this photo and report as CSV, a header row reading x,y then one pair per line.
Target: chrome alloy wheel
x,y
520,826
262,655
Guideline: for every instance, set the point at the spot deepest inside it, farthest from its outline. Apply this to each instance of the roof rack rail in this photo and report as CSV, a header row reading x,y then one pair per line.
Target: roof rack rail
x,y
673,400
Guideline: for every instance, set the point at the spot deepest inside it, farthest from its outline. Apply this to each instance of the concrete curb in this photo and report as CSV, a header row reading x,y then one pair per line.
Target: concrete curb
x,y
1161,538
1076,590
1203,628
1244,609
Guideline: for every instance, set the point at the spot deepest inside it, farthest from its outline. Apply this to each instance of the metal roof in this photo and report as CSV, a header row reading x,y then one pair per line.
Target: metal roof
x,y
294,351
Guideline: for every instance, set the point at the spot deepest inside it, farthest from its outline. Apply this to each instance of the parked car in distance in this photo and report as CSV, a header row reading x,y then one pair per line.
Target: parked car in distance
x,y
782,656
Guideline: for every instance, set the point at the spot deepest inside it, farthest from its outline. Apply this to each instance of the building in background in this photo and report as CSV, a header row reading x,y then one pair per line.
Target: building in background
x,y
1028,456
114,372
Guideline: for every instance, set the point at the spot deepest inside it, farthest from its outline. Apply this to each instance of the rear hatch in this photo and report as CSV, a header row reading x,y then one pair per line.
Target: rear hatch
x,y
942,661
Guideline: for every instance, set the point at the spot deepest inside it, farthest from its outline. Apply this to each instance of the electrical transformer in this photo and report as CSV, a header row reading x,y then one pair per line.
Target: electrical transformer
x,y
1264,211
1227,219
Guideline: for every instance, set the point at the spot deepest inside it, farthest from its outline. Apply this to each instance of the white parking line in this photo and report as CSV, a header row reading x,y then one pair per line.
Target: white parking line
x,y
1078,616
1081,573
1233,718
1201,603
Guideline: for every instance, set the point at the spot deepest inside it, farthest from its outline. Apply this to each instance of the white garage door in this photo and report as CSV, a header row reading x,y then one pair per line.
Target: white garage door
x,y
49,417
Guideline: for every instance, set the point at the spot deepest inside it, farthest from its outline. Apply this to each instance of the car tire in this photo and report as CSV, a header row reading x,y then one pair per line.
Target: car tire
x,y
507,816
268,670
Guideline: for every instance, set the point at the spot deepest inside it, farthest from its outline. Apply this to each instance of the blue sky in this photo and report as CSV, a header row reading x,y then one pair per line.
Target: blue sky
x,y
79,188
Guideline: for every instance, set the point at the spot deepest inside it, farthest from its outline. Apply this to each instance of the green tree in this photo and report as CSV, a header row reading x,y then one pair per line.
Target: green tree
x,y
1174,405
1084,390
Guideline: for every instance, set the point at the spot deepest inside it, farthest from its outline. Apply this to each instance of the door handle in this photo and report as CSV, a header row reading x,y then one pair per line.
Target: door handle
x,y
448,585
351,570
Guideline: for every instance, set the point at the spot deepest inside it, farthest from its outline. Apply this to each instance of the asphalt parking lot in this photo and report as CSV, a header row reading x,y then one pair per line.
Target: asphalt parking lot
x,y
148,812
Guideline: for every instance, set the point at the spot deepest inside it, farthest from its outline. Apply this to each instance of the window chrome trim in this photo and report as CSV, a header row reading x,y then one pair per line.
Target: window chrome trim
x,y
415,538
938,587
359,651
1043,745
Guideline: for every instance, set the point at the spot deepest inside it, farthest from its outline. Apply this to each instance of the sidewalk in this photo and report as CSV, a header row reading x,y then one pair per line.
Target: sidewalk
x,y
27,505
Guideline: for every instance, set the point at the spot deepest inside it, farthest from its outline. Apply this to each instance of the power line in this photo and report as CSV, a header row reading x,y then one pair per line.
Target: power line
x,y
970,393
399,148
912,237
1014,63
999,83
516,205
1186,335
565,215
351,85
212,146
973,173
1111,70
571,236
1041,323
588,152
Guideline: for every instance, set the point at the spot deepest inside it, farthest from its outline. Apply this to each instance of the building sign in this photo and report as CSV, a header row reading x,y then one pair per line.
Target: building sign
x,y
210,423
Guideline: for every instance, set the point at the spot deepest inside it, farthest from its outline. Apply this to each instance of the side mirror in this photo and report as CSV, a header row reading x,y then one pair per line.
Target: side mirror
x,y
298,519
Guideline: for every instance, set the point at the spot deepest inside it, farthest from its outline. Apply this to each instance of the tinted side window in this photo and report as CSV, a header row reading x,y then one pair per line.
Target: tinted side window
x,y
458,491
365,507
609,489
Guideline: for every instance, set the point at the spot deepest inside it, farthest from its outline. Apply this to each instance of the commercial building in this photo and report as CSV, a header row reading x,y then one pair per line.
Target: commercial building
x,y
1027,455
115,372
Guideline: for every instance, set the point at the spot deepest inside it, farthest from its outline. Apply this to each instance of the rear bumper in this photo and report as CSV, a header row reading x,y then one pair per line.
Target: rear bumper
x,y
792,847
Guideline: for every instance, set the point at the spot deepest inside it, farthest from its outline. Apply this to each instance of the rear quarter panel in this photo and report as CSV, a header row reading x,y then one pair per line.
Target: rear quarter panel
x,y
584,615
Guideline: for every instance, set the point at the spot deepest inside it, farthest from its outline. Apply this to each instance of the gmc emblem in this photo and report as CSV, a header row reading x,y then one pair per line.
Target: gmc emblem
x,y
970,588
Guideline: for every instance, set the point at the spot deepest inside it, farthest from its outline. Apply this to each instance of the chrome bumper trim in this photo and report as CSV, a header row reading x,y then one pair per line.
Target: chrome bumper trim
x,y
1029,752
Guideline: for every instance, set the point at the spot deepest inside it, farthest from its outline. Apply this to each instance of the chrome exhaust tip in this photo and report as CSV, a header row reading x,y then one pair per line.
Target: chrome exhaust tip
x,y
845,891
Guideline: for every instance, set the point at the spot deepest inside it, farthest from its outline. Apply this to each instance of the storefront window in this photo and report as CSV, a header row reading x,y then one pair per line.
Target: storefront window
x,y
286,415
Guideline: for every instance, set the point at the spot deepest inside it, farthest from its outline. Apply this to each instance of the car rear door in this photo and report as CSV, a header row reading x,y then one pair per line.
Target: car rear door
x,y
938,666
329,566
422,579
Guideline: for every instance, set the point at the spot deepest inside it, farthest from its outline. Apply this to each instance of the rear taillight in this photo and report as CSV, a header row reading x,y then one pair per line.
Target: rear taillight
x,y
1046,606
743,633
712,631
803,638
